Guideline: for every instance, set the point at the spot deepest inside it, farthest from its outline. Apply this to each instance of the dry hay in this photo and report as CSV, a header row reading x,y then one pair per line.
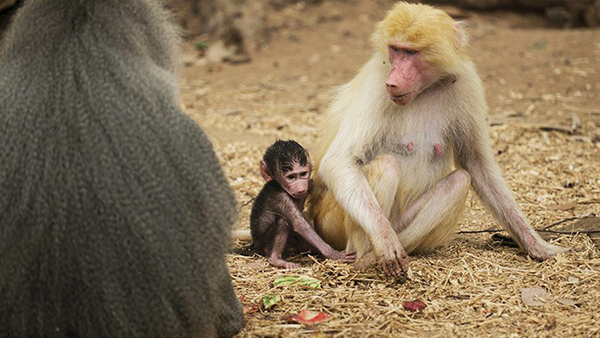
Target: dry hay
x,y
473,286
470,288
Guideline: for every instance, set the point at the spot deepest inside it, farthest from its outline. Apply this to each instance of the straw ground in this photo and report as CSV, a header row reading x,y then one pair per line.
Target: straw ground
x,y
541,85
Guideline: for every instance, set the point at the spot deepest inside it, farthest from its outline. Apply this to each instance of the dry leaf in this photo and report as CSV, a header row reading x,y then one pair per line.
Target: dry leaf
x,y
415,305
249,308
535,296
309,317
566,301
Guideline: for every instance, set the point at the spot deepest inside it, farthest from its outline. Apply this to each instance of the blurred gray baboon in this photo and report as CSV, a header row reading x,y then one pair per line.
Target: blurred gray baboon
x,y
115,214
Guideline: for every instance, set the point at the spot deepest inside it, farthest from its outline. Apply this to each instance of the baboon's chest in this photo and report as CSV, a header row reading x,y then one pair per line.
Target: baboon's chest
x,y
418,148
417,135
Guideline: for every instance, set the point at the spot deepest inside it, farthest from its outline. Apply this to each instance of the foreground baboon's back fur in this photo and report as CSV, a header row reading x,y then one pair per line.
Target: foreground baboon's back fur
x,y
114,210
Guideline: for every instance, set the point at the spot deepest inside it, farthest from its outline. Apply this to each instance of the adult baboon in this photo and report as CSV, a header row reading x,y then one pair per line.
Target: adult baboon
x,y
114,210
403,143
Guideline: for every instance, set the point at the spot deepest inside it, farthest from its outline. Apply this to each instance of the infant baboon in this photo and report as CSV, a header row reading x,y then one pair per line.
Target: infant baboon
x,y
276,222
115,214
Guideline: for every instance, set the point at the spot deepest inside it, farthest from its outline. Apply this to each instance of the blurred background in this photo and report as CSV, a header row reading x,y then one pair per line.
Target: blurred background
x,y
245,25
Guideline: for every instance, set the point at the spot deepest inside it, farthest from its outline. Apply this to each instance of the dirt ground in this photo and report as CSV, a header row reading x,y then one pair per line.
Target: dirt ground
x,y
536,80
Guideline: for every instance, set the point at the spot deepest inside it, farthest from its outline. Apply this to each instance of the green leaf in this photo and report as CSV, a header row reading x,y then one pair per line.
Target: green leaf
x,y
538,45
270,300
302,281
201,45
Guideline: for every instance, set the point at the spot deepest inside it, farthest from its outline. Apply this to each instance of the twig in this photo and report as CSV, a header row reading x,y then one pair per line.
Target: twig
x,y
479,231
574,232
568,219
561,129
546,229
248,202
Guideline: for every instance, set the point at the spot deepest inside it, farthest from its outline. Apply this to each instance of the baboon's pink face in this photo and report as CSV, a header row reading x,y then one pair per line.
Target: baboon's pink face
x,y
409,74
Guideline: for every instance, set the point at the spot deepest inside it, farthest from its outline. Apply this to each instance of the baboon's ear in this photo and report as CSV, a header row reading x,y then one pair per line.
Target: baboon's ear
x,y
264,172
461,39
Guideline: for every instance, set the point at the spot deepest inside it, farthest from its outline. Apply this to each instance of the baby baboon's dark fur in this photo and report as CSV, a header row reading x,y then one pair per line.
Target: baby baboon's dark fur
x,y
115,214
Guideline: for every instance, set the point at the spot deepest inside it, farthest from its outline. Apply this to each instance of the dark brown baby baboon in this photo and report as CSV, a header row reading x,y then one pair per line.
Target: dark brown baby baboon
x,y
277,223
115,214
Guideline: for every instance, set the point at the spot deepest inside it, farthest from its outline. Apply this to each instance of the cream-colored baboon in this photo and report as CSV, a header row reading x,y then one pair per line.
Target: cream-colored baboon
x,y
404,141
115,214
